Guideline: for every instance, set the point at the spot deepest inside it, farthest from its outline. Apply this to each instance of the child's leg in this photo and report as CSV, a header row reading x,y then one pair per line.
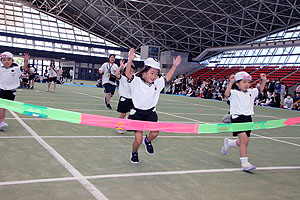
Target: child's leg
x,y
54,87
242,142
49,85
152,135
123,115
138,139
2,114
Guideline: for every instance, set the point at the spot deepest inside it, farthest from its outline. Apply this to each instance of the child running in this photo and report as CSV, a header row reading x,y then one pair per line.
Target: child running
x,y
9,80
241,110
145,88
125,102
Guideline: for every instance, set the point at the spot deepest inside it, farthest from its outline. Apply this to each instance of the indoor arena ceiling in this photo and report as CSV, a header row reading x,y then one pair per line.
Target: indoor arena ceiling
x,y
180,25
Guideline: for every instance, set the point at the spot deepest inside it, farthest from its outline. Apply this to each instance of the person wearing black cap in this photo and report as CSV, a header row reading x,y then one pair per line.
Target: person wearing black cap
x,y
108,70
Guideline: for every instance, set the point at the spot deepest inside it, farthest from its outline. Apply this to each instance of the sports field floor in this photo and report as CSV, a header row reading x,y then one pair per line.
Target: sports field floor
x,y
43,159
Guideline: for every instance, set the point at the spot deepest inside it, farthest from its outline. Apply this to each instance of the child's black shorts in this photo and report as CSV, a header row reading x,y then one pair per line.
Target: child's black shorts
x,y
242,119
124,105
109,88
54,79
8,94
144,115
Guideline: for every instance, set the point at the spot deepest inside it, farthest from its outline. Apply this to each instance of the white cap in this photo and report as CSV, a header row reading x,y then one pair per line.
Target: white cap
x,y
6,54
242,76
152,63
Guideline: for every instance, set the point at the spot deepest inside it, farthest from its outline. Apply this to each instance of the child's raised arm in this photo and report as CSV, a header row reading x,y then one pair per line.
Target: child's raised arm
x,y
176,63
131,56
120,68
263,82
227,91
26,59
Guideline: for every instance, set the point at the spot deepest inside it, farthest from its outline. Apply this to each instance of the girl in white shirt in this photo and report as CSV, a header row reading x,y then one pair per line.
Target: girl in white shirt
x,y
145,88
125,102
241,109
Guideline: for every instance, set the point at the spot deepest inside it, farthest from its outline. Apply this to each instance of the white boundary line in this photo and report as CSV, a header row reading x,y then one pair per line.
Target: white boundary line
x,y
272,138
88,185
146,174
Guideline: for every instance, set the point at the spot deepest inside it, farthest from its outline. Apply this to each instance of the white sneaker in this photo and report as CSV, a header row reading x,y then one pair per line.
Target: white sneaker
x,y
120,131
248,166
3,125
226,146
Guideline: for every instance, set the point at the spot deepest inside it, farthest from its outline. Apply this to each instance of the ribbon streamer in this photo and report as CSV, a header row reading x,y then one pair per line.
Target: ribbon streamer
x,y
127,124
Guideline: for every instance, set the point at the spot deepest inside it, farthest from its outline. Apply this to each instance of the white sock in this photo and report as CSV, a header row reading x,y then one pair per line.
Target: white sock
x,y
244,160
232,143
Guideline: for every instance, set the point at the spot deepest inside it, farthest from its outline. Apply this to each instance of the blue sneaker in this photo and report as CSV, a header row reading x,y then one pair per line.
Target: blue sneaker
x,y
3,125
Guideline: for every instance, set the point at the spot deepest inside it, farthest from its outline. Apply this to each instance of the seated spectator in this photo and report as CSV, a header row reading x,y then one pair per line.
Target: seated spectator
x,y
275,100
288,102
296,105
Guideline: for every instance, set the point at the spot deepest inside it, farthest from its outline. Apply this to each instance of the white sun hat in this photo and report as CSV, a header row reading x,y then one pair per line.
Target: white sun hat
x,y
6,54
242,75
152,63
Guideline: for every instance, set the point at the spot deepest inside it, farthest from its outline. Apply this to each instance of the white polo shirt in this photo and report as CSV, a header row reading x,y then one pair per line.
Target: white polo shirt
x,y
9,78
124,90
242,103
145,96
105,67
52,72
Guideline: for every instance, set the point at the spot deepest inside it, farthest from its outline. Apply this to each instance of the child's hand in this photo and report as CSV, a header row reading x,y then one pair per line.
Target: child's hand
x,y
232,79
26,56
263,76
131,55
177,61
122,63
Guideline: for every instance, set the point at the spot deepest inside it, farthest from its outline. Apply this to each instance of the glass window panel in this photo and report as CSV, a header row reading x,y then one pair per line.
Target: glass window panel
x,y
292,59
35,26
18,14
19,24
11,28
51,18
35,21
66,46
275,59
47,33
20,19
9,12
8,17
70,31
260,60
296,50
267,59
36,16
38,32
78,37
29,41
282,59
2,27
45,22
46,28
62,30
288,35
40,43
10,23
264,52
246,60
279,51
54,34
21,30
63,35
27,15
52,24
233,61
18,8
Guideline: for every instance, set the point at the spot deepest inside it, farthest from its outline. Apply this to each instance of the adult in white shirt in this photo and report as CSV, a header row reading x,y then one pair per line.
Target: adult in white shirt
x,y
52,76
108,71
